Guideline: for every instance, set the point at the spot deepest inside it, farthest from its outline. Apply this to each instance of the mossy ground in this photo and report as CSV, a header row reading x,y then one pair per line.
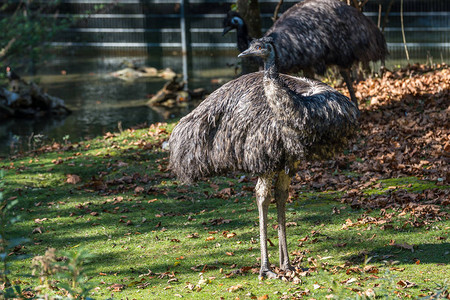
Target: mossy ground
x,y
133,217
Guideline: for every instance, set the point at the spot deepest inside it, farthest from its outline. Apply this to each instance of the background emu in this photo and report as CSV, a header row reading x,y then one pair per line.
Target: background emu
x,y
263,123
314,34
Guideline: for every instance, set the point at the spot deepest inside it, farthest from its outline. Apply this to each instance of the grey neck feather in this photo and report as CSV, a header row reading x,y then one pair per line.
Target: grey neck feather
x,y
270,65
277,93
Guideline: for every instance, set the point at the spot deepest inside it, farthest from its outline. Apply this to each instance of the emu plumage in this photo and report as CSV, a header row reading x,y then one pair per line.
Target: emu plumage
x,y
263,123
230,130
314,34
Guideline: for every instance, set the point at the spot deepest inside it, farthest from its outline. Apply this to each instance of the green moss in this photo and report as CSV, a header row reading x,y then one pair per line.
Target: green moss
x,y
410,184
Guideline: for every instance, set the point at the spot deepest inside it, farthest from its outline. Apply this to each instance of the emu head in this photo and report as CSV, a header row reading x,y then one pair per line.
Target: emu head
x,y
232,21
263,47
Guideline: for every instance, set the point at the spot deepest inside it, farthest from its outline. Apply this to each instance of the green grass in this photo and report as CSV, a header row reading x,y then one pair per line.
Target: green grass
x,y
143,220
411,184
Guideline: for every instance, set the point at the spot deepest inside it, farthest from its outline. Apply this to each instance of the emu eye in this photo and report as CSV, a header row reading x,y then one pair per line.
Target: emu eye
x,y
259,47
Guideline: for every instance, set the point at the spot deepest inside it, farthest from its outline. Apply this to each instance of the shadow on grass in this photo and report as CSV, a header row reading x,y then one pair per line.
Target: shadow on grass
x,y
175,215
422,253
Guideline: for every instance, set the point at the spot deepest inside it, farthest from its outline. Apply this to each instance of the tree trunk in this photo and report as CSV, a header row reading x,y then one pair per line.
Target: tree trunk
x,y
249,10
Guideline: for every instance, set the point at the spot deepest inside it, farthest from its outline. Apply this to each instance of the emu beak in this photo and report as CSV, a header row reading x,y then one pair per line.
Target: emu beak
x,y
226,29
248,52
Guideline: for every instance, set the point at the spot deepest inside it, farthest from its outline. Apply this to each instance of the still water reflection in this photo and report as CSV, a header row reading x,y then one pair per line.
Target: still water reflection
x,y
100,101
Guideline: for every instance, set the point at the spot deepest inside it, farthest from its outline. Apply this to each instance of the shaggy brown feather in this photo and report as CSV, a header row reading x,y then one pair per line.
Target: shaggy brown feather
x,y
314,34
235,129
263,123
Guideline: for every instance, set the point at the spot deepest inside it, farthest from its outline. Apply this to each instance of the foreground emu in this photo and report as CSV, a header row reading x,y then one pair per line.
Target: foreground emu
x,y
263,123
314,34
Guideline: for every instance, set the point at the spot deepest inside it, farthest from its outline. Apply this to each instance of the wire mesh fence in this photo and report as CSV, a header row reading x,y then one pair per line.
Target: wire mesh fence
x,y
144,26
155,24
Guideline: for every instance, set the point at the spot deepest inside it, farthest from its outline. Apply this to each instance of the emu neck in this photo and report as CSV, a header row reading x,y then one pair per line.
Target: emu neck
x,y
270,68
242,37
277,93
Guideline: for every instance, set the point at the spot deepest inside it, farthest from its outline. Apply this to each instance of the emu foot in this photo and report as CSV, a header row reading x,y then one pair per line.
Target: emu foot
x,y
267,274
287,267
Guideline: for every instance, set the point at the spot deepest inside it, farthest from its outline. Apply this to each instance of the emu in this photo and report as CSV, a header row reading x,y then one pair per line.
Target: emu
x,y
314,34
263,123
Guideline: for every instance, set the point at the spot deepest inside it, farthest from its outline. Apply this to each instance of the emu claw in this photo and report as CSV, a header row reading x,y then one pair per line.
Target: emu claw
x,y
267,274
287,268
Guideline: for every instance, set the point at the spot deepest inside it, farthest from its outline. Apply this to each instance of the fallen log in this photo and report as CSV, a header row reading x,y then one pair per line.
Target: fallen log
x,y
173,94
29,100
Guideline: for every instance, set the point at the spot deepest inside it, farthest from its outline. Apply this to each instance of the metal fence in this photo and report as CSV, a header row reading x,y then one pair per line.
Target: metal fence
x,y
147,24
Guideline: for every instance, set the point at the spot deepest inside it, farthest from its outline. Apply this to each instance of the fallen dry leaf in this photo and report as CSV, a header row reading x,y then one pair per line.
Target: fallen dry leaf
x,y
73,179
317,286
230,235
369,293
138,189
219,221
350,280
122,164
353,270
235,288
406,284
405,246
117,287
38,230
407,122
40,220
303,239
371,269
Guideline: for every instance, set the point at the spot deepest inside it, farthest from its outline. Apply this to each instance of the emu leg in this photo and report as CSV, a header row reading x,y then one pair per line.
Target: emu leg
x,y
346,75
263,199
281,196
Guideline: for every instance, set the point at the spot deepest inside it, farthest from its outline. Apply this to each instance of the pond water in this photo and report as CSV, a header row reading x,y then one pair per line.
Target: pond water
x,y
100,101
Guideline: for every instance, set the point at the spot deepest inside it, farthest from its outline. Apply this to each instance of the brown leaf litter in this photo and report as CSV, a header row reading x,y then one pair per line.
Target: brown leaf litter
x,y
404,132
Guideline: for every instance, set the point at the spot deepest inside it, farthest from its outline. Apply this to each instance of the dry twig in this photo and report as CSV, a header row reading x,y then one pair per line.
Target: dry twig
x,y
277,9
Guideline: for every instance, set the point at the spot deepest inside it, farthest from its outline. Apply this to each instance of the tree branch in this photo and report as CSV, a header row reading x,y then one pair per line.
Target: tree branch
x,y
5,50
403,31
386,16
277,8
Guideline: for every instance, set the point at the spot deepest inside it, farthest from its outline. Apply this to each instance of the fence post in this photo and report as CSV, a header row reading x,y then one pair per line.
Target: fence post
x,y
184,41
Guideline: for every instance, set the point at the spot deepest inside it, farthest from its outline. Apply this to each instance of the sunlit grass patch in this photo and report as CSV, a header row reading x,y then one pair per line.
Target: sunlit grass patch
x,y
151,237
